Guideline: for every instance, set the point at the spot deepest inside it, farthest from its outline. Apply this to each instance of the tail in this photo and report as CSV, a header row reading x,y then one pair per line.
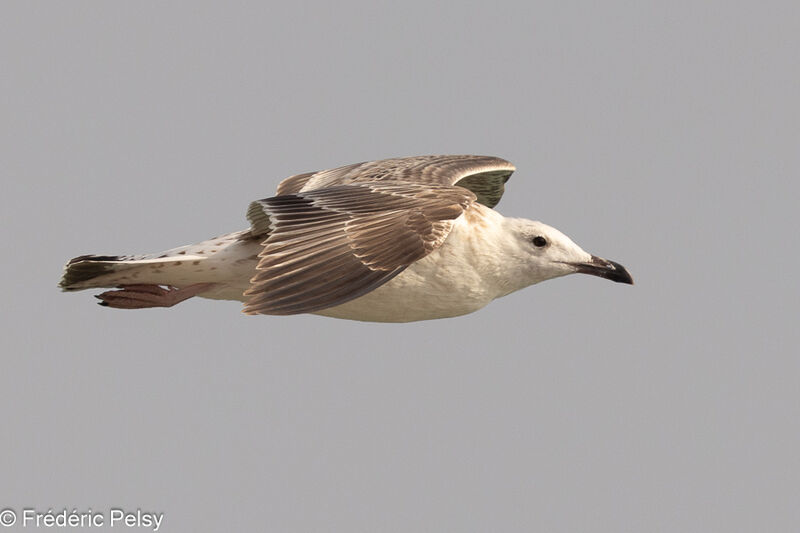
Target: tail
x,y
80,270
94,271
206,261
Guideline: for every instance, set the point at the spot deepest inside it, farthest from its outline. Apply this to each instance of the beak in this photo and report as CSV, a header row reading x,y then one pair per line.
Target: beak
x,y
597,266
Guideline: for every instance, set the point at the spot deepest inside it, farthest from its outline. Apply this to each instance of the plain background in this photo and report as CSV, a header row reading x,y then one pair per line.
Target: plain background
x,y
663,135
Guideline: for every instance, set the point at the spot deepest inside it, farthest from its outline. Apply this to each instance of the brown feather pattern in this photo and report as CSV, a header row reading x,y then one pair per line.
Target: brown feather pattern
x,y
327,246
334,235
483,175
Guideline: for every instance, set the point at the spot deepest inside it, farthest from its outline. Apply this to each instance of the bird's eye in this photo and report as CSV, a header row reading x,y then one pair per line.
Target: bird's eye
x,y
539,241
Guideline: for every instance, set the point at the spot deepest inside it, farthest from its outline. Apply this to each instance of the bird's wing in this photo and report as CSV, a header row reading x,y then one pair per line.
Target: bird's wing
x,y
483,175
325,247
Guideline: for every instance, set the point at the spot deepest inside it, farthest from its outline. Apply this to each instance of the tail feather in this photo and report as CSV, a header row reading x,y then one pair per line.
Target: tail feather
x,y
182,266
95,271
86,267
90,271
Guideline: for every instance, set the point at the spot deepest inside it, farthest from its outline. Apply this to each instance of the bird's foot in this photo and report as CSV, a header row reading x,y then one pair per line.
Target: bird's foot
x,y
144,296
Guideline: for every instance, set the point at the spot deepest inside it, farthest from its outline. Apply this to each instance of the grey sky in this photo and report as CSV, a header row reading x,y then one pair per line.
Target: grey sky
x,y
661,135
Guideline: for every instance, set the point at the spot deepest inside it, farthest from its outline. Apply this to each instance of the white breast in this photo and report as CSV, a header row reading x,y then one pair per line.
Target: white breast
x,y
458,278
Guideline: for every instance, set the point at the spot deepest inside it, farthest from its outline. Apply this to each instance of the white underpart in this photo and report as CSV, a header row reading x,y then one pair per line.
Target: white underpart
x,y
460,277
476,264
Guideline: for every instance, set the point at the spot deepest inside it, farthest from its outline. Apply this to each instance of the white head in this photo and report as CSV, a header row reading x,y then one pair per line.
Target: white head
x,y
545,253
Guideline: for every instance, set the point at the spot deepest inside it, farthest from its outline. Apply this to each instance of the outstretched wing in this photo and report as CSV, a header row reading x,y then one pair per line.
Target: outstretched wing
x,y
327,246
483,175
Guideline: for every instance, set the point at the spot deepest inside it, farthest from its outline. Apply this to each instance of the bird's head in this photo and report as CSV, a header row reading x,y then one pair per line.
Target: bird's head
x,y
547,253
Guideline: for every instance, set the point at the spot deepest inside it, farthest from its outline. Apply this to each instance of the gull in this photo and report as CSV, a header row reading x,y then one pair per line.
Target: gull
x,y
393,240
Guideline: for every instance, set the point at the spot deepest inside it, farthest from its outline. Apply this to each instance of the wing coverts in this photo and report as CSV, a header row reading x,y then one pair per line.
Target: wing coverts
x,y
328,246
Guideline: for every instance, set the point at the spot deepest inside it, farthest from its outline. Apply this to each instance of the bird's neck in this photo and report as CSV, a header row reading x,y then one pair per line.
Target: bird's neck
x,y
493,250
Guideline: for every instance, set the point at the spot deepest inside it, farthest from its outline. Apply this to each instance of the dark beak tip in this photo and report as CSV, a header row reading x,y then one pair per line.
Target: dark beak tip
x,y
603,268
621,275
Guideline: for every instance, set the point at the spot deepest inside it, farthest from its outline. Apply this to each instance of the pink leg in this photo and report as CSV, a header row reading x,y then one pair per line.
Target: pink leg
x,y
143,296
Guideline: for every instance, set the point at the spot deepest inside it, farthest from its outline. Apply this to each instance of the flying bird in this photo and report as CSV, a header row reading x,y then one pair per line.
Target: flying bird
x,y
394,240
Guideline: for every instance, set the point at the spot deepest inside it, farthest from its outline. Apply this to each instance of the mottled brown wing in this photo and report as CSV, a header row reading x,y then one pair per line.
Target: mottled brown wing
x,y
483,175
327,246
